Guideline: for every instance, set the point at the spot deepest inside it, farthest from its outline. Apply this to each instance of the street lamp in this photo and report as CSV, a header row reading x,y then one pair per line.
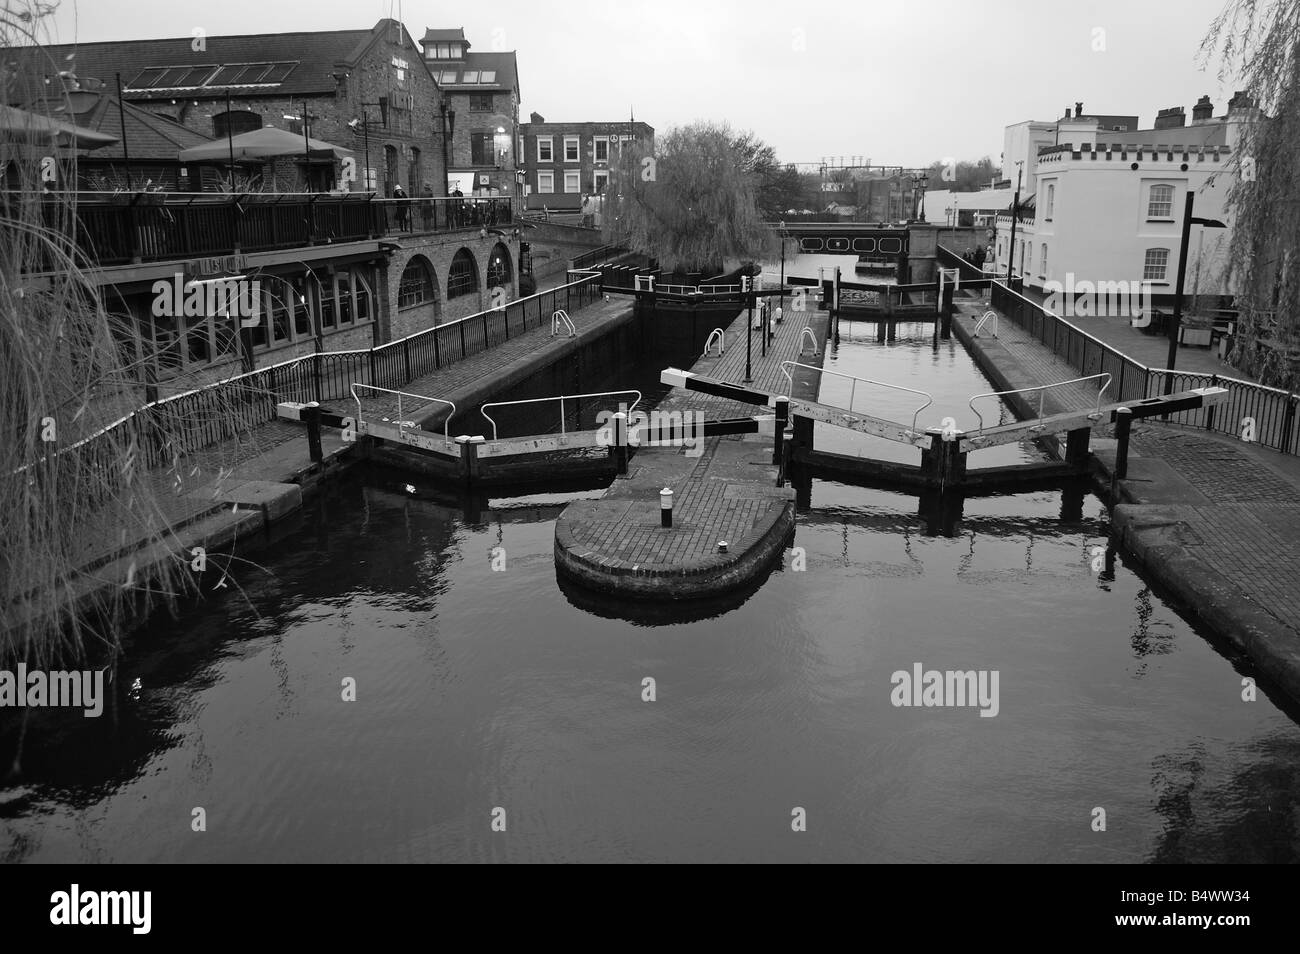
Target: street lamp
x,y
1188,221
919,183
448,130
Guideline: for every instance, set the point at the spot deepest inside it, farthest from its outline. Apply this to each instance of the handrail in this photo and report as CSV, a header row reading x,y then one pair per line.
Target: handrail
x,y
811,337
401,422
853,391
562,316
1042,390
1095,340
722,339
983,318
558,397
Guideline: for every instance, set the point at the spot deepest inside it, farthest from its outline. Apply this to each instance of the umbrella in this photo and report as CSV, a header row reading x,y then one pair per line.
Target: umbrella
x,y
264,143
19,125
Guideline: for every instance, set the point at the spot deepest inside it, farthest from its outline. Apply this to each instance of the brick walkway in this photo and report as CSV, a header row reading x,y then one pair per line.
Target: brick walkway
x,y
1237,504
728,493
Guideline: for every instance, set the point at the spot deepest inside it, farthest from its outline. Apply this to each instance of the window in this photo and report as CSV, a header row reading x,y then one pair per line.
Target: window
x,y
400,66
1157,261
471,76
443,51
462,278
602,148
488,76
545,149
1051,199
599,180
572,181
448,76
237,121
480,102
545,182
1160,205
570,148
416,286
480,149
1042,261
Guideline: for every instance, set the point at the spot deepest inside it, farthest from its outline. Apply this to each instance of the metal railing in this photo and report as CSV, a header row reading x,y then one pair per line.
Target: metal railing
x,y
929,399
1042,390
722,339
445,214
985,318
559,397
1271,411
561,319
811,336
401,421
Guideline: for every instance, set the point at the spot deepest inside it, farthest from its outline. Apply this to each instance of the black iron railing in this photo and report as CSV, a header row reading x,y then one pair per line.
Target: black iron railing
x,y
1256,412
125,228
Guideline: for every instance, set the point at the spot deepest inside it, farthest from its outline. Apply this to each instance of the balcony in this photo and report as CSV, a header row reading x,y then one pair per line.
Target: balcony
x,y
131,228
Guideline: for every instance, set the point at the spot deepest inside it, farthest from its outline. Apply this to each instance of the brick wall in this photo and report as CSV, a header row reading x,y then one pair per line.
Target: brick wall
x,y
437,253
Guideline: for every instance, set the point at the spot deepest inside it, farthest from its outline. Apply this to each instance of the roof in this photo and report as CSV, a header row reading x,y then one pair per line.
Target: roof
x,y
452,75
148,135
286,63
445,36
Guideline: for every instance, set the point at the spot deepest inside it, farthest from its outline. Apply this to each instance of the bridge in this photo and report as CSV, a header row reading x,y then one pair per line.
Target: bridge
x,y
879,241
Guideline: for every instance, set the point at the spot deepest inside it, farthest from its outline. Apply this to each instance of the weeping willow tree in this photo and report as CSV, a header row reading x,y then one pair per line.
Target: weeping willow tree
x,y
690,203
1259,42
79,493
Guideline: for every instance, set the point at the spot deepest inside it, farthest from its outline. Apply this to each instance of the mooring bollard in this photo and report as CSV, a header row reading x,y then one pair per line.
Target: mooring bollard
x,y
665,508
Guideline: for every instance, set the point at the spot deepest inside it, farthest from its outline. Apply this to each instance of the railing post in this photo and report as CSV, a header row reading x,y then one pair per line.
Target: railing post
x,y
315,373
618,450
406,353
437,360
782,419
311,415
1209,411
1123,427
1288,422
462,337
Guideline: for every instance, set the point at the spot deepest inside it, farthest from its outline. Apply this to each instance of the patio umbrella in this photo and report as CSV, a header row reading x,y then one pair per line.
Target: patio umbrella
x,y
264,143
19,125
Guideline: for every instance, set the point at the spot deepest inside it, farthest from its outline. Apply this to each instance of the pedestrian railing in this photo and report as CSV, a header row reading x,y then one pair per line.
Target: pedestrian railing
x,y
1042,390
401,422
1253,412
561,398
853,388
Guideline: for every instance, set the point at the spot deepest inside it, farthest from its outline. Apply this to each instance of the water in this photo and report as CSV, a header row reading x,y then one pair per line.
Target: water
x,y
478,689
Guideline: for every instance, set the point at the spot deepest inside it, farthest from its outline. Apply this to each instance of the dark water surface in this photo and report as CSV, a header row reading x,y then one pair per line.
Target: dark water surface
x,y
479,690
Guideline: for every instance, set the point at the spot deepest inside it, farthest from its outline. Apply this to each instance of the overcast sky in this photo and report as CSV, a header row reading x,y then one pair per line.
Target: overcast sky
x,y
901,83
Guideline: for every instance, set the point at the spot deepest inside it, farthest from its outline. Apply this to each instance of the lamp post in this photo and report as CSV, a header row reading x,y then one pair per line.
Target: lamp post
x,y
306,148
1015,214
919,183
382,103
448,130
1174,326
783,265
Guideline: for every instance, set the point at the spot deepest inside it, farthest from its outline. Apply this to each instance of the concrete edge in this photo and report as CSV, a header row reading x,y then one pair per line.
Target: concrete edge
x,y
711,576
1146,531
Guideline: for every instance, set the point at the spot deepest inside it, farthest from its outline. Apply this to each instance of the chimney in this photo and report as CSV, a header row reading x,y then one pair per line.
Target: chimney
x,y
1203,110
535,118
1170,118
1240,102
1078,110
1067,112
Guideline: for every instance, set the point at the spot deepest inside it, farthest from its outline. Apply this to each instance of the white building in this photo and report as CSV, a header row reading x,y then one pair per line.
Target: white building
x,y
1106,205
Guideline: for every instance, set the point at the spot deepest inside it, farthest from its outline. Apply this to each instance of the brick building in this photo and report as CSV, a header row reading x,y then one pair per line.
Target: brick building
x,y
240,83
480,91
563,162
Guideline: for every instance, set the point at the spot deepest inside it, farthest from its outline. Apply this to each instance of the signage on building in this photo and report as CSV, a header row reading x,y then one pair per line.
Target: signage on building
x,y
217,265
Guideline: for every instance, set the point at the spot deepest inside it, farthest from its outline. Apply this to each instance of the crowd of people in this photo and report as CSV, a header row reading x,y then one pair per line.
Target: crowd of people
x,y
458,211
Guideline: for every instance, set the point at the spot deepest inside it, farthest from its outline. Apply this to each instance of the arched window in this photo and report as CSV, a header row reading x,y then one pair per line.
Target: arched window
x,y
498,270
462,278
1042,261
417,284
1161,203
235,122
1051,199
